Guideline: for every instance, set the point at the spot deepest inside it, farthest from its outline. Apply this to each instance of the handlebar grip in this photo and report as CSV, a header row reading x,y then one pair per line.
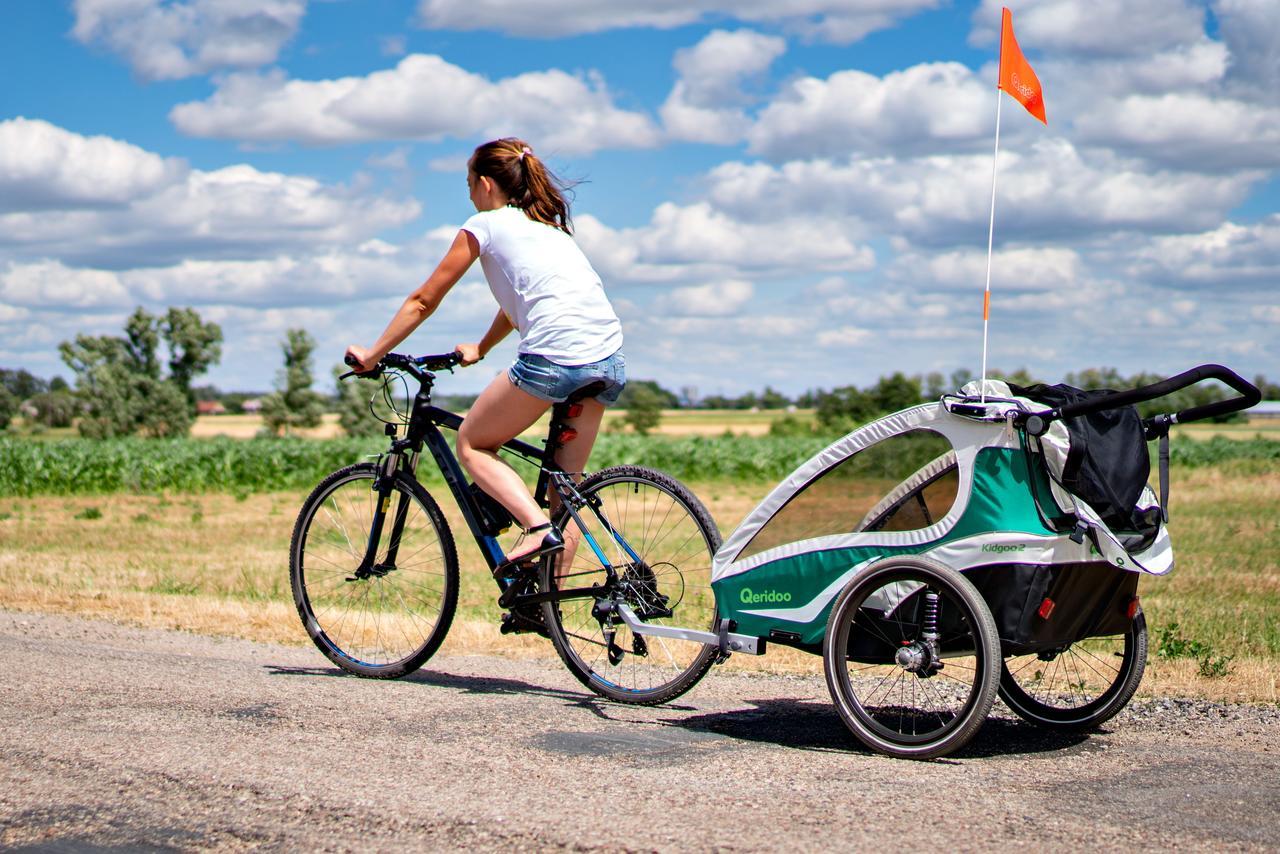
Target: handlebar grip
x,y
350,361
1250,395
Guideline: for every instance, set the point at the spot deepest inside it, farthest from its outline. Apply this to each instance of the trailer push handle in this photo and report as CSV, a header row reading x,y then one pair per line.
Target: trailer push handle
x,y
1038,423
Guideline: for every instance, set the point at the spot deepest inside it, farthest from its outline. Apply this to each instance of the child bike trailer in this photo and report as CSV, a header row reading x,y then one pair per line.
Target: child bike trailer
x,y
987,543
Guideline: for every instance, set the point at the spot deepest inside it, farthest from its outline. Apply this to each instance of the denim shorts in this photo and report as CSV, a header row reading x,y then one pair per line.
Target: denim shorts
x,y
546,380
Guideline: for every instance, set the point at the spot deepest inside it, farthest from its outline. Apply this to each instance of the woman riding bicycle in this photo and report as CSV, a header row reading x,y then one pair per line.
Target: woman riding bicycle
x,y
545,287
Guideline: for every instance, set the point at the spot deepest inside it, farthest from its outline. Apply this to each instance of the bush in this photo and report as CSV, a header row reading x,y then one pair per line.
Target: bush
x,y
1171,644
55,408
8,407
644,409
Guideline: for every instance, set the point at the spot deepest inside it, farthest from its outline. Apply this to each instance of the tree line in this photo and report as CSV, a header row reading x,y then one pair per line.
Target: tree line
x,y
142,383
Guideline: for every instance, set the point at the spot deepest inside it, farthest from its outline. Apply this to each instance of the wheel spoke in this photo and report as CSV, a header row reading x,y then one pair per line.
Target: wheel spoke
x,y
675,548
383,624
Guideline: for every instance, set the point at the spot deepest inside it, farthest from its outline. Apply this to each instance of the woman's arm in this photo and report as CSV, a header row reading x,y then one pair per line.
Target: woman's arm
x,y
499,329
423,301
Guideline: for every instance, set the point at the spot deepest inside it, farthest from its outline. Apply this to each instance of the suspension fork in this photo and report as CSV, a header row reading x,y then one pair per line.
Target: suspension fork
x,y
386,482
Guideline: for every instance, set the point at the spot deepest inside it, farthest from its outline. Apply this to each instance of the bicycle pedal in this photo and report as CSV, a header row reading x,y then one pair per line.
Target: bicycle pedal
x,y
521,624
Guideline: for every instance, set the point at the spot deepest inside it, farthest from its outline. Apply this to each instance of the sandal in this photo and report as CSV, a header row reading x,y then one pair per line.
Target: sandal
x,y
552,542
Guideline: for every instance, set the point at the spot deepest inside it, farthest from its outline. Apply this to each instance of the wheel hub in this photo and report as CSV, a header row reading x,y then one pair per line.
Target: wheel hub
x,y
919,658
912,658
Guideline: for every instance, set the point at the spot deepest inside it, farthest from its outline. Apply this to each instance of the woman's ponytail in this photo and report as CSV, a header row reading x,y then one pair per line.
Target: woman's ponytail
x,y
525,180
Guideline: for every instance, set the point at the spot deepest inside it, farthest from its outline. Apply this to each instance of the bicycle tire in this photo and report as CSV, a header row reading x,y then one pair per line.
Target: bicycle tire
x,y
675,566
887,689
1051,702
340,611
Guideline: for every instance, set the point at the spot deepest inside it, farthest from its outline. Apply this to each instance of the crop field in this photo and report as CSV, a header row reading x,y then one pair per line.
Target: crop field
x,y
195,535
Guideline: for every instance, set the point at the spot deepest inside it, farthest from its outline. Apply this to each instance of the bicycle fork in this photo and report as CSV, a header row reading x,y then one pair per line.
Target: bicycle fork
x,y
383,486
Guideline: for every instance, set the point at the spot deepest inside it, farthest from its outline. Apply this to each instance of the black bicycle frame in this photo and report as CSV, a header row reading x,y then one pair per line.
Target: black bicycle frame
x,y
425,421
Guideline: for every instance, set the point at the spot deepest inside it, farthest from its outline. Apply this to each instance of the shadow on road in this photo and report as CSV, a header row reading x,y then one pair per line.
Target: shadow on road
x,y
803,724
480,685
814,725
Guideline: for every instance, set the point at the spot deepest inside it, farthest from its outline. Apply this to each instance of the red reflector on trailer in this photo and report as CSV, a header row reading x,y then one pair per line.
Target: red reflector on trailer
x,y
1046,608
1133,608
567,436
575,409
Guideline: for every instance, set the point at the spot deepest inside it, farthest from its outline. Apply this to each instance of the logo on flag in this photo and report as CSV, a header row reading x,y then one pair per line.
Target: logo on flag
x,y
1016,76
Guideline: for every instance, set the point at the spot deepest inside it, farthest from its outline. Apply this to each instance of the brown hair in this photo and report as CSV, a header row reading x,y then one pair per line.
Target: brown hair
x,y
530,186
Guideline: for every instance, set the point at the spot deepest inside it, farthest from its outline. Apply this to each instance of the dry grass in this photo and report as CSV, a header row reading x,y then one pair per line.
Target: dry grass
x,y
247,427
219,565
675,422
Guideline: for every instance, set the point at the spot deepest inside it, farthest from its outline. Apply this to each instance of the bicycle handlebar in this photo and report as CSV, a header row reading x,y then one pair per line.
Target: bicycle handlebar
x,y
412,364
1249,395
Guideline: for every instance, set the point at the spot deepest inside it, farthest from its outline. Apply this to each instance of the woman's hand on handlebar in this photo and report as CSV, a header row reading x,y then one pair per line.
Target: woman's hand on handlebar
x,y
468,354
364,361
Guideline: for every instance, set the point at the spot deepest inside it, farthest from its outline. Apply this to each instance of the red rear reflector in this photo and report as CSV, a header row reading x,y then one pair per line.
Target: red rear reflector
x,y
575,409
1046,608
567,436
1133,608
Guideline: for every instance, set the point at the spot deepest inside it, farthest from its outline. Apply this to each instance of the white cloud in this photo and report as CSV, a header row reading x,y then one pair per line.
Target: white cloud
x,y
684,243
1251,29
99,201
924,108
43,166
1024,269
50,284
1191,131
845,336
842,21
1230,257
1120,28
422,98
714,68
1047,189
393,45
707,102
397,159
719,299
166,41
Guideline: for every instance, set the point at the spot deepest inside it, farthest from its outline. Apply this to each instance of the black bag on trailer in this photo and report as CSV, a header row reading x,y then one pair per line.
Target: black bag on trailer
x,y
1047,607
1107,465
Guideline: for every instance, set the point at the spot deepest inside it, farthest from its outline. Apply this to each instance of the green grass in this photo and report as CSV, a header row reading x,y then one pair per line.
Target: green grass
x,y
87,467
240,467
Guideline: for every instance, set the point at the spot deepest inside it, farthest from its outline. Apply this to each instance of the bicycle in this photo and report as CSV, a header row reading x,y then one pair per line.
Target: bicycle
x,y
377,587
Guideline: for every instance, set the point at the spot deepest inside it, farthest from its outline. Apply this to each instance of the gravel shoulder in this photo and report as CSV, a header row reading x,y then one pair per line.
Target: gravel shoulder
x,y
114,737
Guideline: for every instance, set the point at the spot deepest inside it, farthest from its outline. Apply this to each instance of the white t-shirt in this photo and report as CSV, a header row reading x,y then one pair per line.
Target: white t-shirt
x,y
547,288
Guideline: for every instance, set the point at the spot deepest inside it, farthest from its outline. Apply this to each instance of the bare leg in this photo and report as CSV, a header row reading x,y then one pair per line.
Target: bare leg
x,y
501,413
573,458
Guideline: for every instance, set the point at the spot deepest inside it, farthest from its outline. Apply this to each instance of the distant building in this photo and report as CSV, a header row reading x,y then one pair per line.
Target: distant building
x,y
252,405
1266,409
210,407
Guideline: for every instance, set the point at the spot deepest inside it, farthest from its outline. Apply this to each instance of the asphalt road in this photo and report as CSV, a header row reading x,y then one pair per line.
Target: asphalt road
x,y
116,738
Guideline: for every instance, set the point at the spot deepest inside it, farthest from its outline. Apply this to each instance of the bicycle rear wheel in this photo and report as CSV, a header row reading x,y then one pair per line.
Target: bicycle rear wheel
x,y
665,578
386,622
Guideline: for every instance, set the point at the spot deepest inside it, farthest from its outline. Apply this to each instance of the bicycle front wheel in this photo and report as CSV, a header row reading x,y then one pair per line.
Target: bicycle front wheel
x,y
383,620
659,540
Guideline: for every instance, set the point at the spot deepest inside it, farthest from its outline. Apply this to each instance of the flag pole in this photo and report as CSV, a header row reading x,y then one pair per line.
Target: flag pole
x,y
991,228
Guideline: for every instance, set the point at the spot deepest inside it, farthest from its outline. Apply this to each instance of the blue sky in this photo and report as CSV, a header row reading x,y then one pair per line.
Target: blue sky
x,y
790,192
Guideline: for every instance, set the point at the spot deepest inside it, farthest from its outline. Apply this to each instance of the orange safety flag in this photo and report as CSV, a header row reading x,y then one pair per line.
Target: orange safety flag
x,y
1016,76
